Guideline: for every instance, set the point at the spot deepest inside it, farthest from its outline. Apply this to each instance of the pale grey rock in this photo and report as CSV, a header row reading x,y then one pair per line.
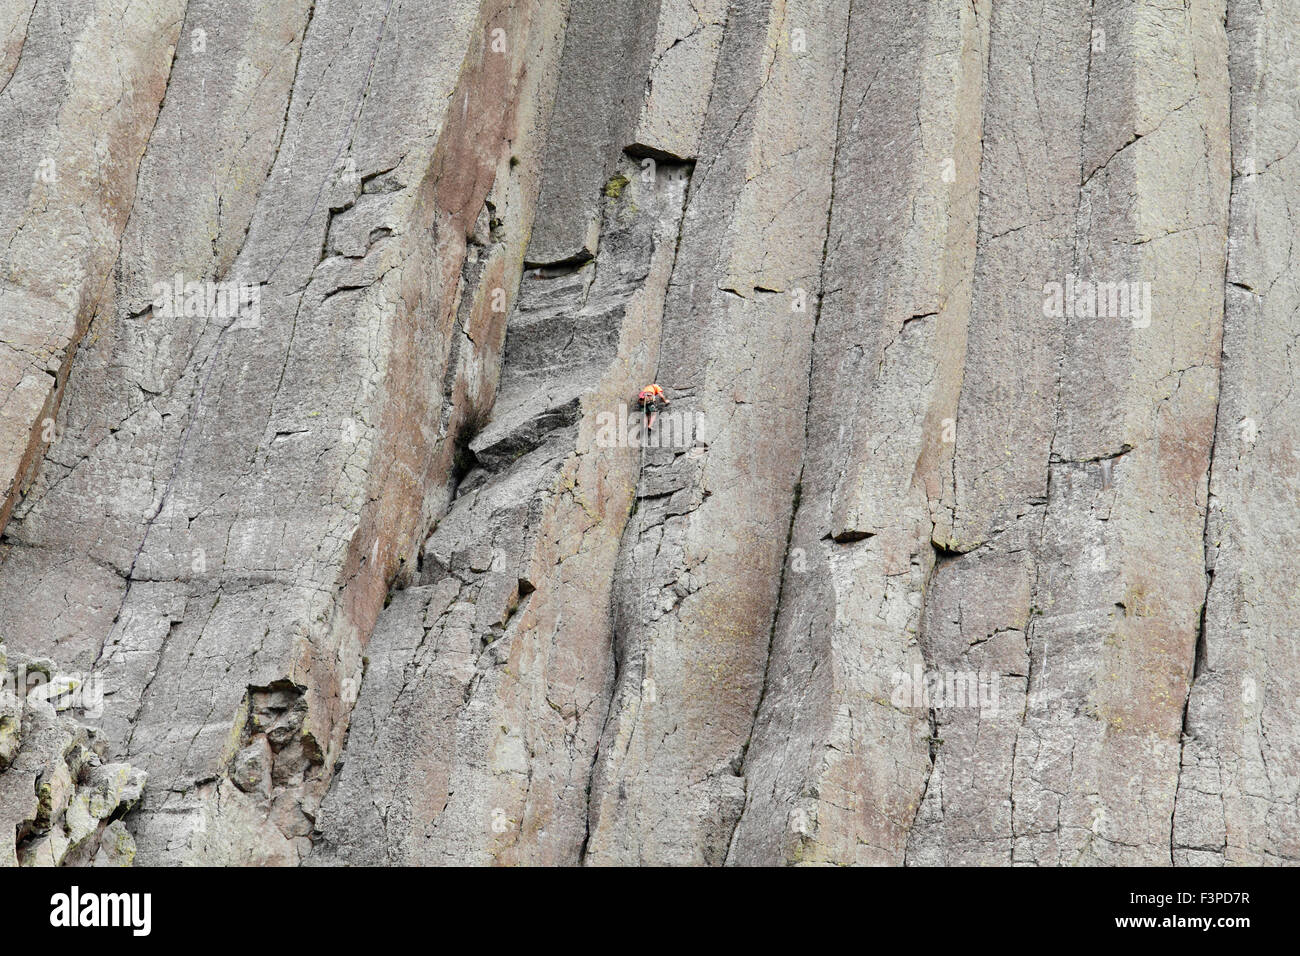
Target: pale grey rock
x,y
325,501
493,673
251,769
607,49
836,766
1237,789
116,846
58,795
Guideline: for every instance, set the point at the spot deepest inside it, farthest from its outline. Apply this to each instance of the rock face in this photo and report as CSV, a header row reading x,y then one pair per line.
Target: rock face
x,y
964,538
60,802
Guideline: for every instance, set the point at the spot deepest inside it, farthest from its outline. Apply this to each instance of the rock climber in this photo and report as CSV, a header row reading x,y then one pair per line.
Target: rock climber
x,y
652,399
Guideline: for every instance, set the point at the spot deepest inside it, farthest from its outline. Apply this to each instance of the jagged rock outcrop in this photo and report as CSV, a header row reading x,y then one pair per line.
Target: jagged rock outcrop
x,y
61,803
964,540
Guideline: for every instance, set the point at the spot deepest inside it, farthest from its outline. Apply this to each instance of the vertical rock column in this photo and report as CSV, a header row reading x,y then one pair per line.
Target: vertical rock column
x,y
284,466
1237,792
837,766
488,682
1035,87
78,100
702,554
1086,585
82,520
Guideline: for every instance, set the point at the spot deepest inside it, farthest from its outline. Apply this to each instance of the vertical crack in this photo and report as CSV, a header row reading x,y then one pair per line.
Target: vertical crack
x,y
639,513
1032,626
803,452
942,554
18,61
343,142
1200,653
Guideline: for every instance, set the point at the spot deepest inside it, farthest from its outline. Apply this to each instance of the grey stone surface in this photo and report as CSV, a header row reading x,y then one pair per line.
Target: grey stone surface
x,y
61,802
607,48
331,532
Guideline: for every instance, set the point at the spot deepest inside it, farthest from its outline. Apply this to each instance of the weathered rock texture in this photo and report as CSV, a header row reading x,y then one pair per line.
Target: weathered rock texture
x,y
965,539
60,803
